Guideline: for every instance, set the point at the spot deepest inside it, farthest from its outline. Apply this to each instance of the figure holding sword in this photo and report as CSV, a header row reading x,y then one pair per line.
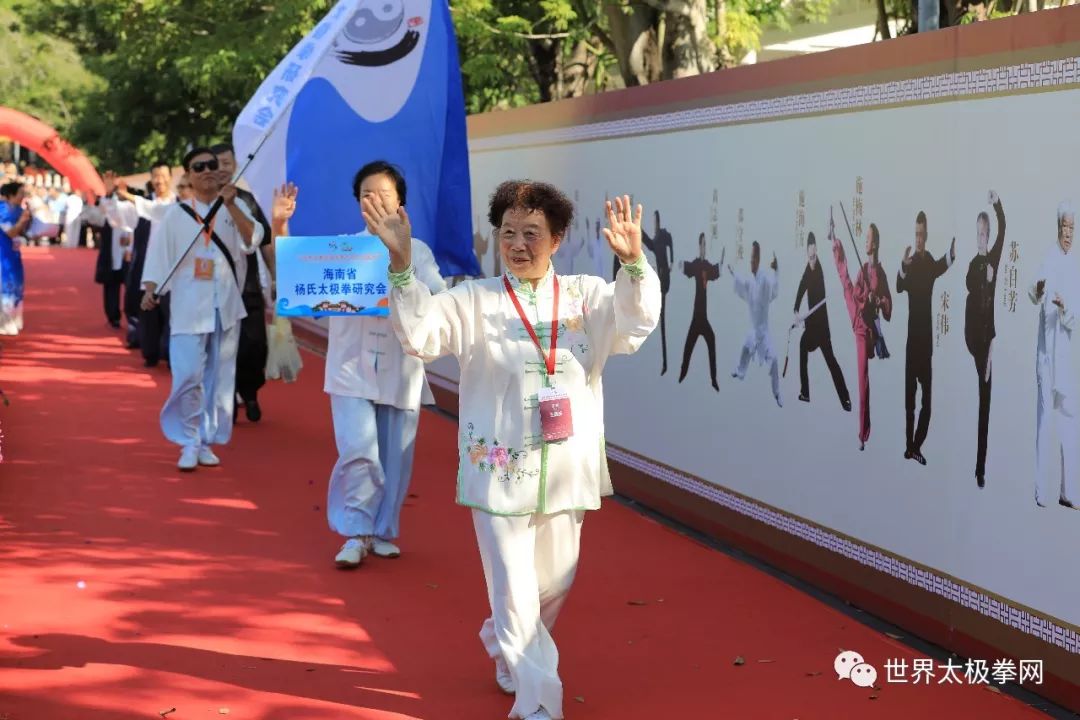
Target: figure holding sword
x,y
816,335
865,298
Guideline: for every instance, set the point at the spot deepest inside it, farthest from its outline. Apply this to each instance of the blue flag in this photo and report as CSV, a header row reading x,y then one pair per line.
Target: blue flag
x,y
375,80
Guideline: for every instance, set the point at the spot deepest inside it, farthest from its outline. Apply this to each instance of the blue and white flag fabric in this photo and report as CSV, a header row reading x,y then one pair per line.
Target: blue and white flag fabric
x,y
375,80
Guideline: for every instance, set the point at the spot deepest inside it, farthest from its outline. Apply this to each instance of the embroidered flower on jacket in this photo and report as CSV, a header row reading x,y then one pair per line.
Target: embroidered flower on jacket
x,y
495,458
574,324
498,456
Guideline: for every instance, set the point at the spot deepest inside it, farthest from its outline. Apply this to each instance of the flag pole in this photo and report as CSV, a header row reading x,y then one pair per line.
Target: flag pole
x,y
213,211
336,13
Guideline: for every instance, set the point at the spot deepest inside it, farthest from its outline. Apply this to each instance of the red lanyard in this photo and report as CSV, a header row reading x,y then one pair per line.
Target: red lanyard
x,y
549,361
207,232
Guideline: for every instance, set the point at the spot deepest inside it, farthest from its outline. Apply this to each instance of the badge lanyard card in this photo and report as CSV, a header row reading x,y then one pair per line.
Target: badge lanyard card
x,y
556,422
204,261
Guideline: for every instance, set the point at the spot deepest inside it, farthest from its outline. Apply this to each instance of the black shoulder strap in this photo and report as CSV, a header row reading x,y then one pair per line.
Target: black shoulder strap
x,y
217,241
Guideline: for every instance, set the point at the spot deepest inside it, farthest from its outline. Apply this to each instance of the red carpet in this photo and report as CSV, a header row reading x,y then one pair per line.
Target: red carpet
x,y
128,589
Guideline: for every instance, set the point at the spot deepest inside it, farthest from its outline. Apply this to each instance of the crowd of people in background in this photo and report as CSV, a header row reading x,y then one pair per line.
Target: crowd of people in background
x,y
54,207
40,208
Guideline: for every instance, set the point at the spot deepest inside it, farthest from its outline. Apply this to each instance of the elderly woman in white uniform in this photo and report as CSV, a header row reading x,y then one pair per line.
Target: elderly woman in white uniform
x,y
376,391
532,346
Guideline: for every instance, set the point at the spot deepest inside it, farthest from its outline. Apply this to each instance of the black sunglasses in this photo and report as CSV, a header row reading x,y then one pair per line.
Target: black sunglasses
x,y
202,165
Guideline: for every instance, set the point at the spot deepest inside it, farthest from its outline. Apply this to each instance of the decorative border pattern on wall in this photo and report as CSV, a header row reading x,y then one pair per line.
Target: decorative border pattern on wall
x,y
970,84
1021,620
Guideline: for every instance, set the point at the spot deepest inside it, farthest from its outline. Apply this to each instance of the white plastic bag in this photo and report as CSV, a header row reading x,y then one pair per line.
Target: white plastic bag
x,y
283,359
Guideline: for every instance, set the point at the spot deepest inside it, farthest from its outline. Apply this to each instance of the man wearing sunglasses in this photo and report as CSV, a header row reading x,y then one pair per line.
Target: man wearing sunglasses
x,y
206,306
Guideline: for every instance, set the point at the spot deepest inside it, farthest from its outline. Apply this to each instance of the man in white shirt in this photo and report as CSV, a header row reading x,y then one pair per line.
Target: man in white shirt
x,y
375,390
1056,292
758,288
109,271
73,228
205,307
122,217
153,324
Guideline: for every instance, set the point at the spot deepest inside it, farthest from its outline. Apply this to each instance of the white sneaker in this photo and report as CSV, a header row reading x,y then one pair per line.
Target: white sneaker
x,y
385,548
503,678
189,458
352,553
540,714
207,457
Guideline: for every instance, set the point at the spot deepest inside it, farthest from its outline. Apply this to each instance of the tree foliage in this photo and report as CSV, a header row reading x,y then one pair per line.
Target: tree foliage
x,y
134,81
176,71
516,52
42,75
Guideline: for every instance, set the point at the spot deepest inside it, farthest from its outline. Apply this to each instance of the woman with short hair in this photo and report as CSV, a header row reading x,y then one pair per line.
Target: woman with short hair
x,y
532,346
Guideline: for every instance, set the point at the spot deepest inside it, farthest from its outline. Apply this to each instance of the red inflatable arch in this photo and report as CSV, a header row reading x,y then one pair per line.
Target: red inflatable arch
x,y
46,142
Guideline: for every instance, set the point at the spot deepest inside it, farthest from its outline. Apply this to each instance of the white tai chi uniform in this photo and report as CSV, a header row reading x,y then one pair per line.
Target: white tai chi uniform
x,y
375,395
758,291
204,320
73,225
154,209
1057,460
123,217
528,497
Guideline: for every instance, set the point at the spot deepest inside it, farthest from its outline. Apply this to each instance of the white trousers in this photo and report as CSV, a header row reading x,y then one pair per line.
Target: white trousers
x,y
199,410
1057,460
762,348
529,565
370,480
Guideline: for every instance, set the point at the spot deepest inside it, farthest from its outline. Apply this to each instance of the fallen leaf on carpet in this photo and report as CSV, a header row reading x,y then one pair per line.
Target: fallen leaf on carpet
x,y
310,670
637,602
873,697
433,586
812,674
163,713
250,667
766,661
895,637
413,495
223,711
993,689
579,698
660,600
740,660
